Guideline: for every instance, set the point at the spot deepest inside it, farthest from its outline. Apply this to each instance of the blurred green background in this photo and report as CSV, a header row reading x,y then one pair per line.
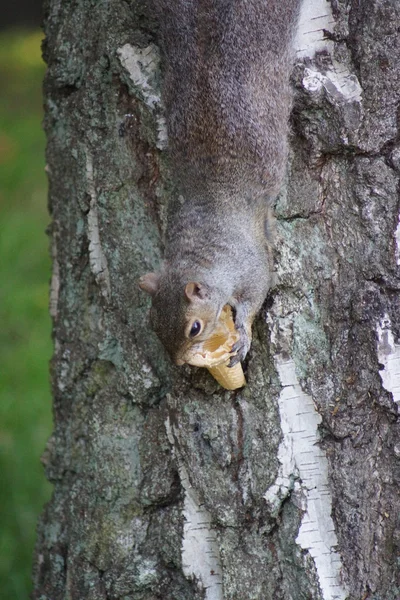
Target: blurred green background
x,y
25,344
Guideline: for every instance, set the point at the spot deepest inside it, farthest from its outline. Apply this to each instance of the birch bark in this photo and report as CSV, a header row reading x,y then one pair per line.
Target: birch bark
x,y
165,486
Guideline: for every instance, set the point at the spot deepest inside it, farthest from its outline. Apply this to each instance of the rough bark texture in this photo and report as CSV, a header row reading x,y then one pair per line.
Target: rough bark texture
x,y
165,486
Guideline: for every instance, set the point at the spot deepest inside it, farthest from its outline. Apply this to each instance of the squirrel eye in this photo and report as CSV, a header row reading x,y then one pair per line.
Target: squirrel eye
x,y
195,329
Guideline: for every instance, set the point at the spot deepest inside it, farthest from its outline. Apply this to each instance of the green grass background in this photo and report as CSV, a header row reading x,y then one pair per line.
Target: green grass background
x,y
25,344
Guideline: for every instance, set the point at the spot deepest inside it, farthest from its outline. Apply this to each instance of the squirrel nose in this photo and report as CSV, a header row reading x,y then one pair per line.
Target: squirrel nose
x,y
179,362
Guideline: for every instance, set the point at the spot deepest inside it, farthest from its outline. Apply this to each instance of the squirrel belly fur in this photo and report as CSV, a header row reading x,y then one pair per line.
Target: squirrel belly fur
x,y
227,96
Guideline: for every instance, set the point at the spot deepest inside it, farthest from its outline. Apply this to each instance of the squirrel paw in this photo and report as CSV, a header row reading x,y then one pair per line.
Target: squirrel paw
x,y
241,347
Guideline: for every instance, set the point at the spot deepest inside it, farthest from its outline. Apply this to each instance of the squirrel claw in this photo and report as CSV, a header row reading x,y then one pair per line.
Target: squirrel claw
x,y
236,346
233,361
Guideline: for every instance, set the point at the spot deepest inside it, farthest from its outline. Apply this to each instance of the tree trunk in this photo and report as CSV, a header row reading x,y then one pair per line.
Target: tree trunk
x,y
166,486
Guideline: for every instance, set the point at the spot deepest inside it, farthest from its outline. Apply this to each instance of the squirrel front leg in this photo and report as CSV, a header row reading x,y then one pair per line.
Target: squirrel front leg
x,y
248,298
244,317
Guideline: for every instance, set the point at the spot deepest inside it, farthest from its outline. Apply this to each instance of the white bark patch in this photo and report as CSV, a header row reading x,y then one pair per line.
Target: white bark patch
x,y
55,282
200,551
339,83
389,356
301,457
97,259
397,240
315,17
143,66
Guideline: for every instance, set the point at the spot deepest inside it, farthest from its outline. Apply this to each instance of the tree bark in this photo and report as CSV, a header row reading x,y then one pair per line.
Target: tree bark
x,y
166,486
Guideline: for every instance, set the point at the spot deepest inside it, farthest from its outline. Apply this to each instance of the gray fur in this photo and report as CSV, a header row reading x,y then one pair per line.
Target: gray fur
x,y
226,90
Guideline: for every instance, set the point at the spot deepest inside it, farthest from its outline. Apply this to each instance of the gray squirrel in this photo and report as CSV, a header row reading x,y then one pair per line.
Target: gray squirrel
x,y
227,95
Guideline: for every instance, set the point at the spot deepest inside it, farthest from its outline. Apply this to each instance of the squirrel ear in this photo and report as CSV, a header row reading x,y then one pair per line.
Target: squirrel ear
x,y
195,291
149,283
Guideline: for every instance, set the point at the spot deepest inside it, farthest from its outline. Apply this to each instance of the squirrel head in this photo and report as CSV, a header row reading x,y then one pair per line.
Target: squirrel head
x,y
183,314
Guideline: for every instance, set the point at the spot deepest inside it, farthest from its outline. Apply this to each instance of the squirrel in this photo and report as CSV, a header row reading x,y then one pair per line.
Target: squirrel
x,y
227,97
